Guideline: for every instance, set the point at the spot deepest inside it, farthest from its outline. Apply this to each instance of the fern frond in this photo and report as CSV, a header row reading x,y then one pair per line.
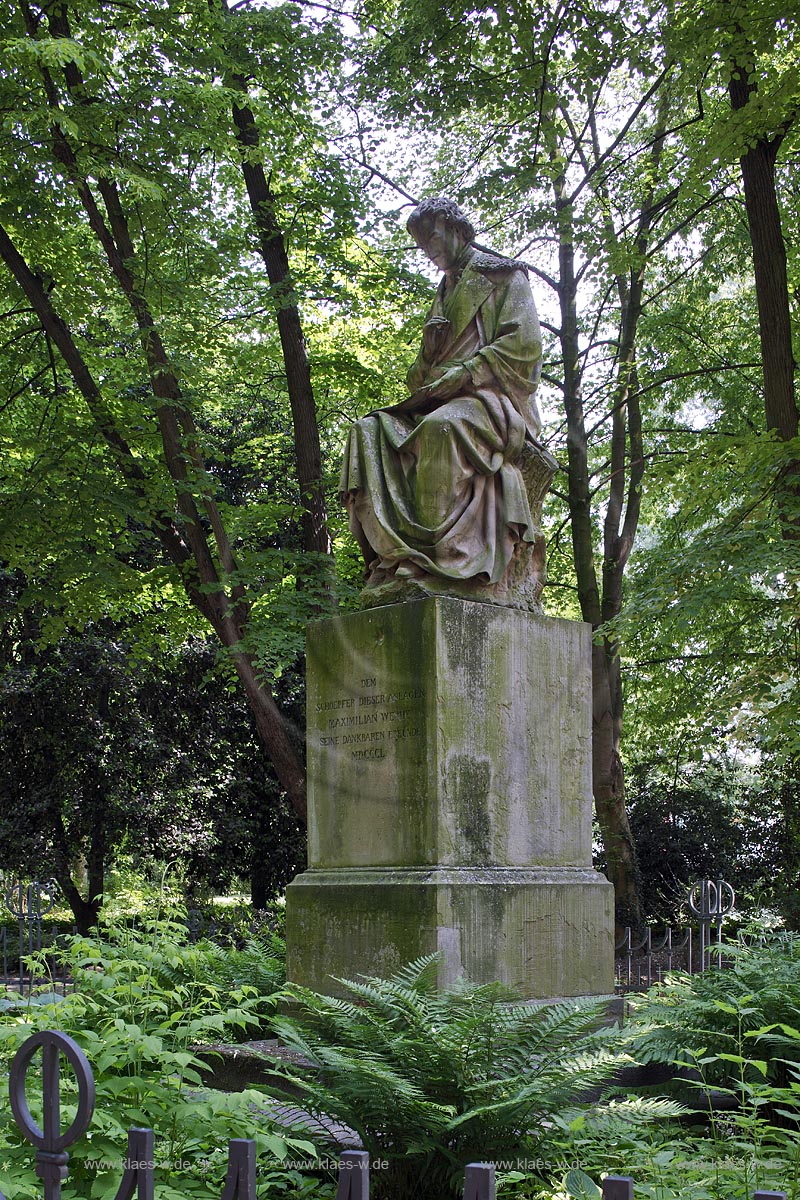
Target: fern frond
x,y
421,975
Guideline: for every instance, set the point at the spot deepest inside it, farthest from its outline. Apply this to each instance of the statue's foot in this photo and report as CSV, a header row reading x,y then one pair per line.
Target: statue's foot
x,y
409,570
391,583
378,573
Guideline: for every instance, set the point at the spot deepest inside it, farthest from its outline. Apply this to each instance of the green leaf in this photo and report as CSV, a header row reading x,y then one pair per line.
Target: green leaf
x,y
580,1186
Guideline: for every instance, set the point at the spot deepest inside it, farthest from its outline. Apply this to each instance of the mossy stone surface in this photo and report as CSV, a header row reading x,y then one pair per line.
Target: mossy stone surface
x,y
449,762
545,933
448,732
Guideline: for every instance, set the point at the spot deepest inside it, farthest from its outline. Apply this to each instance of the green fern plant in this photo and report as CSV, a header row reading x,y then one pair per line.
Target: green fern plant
x,y
431,1080
260,965
693,1017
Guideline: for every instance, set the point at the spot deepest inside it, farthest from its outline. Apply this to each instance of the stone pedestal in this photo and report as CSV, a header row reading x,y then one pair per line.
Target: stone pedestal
x,y
449,765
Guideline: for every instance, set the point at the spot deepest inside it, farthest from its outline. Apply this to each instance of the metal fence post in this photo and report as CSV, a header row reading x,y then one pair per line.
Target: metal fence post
x,y
51,1144
624,947
710,902
137,1176
353,1175
240,1181
617,1187
479,1181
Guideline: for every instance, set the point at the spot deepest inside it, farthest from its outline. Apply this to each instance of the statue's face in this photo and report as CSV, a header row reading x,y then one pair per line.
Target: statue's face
x,y
441,242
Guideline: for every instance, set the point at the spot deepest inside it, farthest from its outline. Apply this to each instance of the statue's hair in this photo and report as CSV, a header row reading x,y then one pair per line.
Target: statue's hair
x,y
428,210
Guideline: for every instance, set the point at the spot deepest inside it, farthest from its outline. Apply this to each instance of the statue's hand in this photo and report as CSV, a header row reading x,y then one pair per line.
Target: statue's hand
x,y
435,333
453,381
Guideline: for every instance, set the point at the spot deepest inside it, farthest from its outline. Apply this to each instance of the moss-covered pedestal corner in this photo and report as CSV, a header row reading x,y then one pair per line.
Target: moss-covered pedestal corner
x,y
449,762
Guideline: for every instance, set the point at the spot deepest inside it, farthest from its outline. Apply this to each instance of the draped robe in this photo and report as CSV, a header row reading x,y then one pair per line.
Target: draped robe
x,y
432,485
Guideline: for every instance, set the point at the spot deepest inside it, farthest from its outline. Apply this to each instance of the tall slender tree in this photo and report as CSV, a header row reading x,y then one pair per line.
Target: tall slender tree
x,y
120,122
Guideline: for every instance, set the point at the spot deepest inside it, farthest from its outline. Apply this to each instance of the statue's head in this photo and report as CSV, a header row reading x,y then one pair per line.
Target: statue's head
x,y
441,229
427,211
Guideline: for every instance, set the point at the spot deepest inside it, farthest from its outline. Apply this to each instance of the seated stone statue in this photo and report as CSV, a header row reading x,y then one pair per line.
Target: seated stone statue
x,y
444,489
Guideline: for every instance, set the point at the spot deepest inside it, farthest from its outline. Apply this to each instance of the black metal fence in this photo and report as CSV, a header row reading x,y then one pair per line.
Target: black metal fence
x,y
26,937
51,1143
643,960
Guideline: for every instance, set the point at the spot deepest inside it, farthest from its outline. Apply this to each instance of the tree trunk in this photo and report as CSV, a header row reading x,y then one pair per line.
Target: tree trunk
x,y
789,898
84,910
780,397
284,744
772,295
769,267
272,246
601,597
607,701
609,783
258,886
308,455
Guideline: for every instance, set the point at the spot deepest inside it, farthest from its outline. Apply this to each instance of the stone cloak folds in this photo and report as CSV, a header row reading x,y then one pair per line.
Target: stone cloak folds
x,y
432,486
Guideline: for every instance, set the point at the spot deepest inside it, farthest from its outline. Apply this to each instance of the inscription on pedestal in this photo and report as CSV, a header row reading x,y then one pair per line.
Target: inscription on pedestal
x,y
370,720
368,745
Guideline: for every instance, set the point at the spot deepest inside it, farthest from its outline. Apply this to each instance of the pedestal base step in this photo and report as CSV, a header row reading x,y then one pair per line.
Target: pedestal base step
x,y
544,932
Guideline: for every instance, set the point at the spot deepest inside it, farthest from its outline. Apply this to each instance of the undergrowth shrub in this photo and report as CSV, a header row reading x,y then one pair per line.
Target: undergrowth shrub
x,y
691,1017
236,924
733,1037
259,964
728,1155
744,1137
143,1000
431,1080
730,1161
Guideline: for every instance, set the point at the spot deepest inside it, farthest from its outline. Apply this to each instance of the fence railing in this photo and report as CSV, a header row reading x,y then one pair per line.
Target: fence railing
x,y
51,1143
644,960
641,962
27,904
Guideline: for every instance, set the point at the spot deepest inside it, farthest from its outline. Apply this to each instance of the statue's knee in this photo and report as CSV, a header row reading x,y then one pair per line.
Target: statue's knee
x,y
438,424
